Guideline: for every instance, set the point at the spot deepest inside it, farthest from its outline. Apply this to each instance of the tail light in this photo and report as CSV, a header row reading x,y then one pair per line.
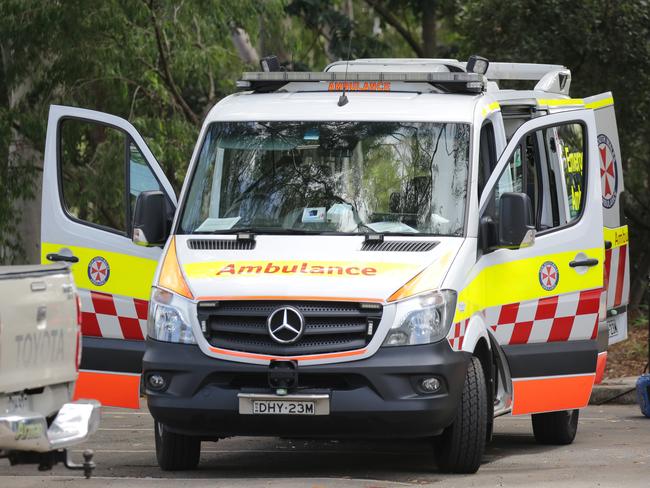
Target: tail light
x,y
78,349
78,300
602,306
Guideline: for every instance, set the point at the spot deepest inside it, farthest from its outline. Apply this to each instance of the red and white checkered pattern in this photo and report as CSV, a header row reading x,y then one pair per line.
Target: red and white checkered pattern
x,y
457,334
569,317
113,316
617,264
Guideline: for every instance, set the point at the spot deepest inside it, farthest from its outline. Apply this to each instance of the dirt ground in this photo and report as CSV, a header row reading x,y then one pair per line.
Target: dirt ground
x,y
630,357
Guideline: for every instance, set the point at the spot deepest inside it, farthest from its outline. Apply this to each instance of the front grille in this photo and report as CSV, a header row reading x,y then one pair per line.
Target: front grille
x,y
329,326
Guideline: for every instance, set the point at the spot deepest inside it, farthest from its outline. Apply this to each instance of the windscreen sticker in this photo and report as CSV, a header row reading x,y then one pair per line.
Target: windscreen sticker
x,y
549,275
608,171
98,271
574,175
227,269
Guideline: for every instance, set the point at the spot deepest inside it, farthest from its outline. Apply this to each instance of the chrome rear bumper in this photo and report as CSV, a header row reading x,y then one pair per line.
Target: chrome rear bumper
x,y
28,431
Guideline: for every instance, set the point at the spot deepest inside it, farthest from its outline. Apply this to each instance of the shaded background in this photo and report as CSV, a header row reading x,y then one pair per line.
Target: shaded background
x,y
164,64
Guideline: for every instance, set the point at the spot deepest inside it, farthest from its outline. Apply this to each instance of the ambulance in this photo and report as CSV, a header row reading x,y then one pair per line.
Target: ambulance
x,y
390,248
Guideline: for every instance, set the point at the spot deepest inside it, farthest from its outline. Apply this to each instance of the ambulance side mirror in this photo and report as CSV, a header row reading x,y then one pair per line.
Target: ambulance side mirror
x,y
150,219
516,226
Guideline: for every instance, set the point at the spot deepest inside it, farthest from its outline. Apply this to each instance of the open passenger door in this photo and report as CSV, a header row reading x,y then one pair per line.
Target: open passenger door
x,y
547,323
95,167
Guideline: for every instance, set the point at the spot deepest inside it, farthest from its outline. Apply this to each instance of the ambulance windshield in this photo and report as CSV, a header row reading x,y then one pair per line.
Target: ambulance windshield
x,y
330,177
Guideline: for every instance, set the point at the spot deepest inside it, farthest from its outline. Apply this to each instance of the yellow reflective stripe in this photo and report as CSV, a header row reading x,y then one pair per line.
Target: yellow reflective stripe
x,y
618,236
494,106
605,102
129,275
518,280
560,102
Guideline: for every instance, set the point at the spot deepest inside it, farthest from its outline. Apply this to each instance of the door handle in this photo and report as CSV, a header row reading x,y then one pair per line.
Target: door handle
x,y
583,262
54,257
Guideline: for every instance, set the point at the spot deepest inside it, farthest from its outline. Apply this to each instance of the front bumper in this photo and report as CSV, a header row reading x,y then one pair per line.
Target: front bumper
x,y
373,397
28,431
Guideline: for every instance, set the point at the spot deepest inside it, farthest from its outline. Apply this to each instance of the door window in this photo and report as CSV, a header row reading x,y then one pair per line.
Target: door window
x,y
91,158
97,164
566,153
487,156
141,178
547,165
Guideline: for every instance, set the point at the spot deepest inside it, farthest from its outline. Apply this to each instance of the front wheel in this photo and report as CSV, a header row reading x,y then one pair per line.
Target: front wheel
x,y
556,428
459,449
176,452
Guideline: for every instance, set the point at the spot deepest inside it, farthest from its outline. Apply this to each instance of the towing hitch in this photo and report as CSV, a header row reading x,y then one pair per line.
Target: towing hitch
x,y
283,375
47,460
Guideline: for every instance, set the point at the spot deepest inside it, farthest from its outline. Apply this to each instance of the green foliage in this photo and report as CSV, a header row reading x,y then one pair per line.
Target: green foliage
x,y
607,47
163,64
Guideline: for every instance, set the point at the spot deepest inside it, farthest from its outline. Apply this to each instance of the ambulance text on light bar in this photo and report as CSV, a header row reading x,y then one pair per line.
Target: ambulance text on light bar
x,y
363,81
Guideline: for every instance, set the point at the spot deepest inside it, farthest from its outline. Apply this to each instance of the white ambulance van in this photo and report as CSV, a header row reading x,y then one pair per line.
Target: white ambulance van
x,y
389,248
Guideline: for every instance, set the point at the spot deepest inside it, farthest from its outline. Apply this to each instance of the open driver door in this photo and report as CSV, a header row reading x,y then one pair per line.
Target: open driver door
x,y
95,167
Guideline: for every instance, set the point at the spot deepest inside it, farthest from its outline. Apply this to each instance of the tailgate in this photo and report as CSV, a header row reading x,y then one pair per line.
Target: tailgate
x,y
38,327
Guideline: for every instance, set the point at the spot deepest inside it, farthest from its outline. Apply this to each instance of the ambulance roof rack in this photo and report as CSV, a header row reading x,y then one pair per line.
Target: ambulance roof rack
x,y
520,71
551,78
449,82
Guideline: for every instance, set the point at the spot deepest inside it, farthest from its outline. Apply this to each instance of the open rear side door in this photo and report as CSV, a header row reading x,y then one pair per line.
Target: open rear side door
x,y
95,166
617,260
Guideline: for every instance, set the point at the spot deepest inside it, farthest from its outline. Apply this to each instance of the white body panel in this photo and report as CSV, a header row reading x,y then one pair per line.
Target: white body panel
x,y
38,327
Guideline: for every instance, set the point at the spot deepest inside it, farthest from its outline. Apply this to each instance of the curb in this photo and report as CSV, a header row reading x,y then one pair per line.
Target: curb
x,y
615,391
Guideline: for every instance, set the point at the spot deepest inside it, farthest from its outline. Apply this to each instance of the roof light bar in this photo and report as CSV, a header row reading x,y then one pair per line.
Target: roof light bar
x,y
454,82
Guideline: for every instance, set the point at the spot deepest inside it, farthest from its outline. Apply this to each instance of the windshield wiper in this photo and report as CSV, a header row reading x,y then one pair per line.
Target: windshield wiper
x,y
259,230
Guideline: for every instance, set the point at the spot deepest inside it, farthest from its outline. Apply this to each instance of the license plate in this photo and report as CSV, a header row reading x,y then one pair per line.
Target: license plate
x,y
270,407
611,325
259,404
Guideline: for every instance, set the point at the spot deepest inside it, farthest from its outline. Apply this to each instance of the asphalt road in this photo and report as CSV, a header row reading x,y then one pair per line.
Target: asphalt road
x,y
612,449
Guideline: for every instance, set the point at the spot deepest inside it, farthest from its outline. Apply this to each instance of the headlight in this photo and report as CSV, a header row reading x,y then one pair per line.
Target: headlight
x,y
166,321
422,319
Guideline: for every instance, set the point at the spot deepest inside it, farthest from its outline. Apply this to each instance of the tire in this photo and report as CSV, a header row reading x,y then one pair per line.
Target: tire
x,y
459,449
556,428
176,452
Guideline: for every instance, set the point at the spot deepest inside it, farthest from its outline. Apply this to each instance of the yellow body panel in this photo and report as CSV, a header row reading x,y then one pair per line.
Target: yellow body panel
x,y
517,281
129,275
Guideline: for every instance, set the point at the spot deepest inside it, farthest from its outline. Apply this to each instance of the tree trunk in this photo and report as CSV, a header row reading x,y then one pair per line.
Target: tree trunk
x,y
242,42
429,28
23,154
639,284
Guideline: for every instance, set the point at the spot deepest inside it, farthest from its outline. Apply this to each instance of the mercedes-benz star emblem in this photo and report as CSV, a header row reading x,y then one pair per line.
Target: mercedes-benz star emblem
x,y
286,325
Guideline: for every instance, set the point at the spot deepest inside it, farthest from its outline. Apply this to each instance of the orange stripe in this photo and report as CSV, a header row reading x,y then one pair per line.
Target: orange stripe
x,y
600,367
264,357
324,299
110,389
551,393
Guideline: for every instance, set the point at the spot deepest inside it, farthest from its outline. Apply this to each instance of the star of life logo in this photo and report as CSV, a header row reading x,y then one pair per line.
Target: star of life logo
x,y
608,171
98,271
549,275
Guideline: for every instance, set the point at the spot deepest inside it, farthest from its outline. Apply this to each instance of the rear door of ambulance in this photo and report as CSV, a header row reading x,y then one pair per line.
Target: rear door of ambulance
x,y
617,256
95,167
